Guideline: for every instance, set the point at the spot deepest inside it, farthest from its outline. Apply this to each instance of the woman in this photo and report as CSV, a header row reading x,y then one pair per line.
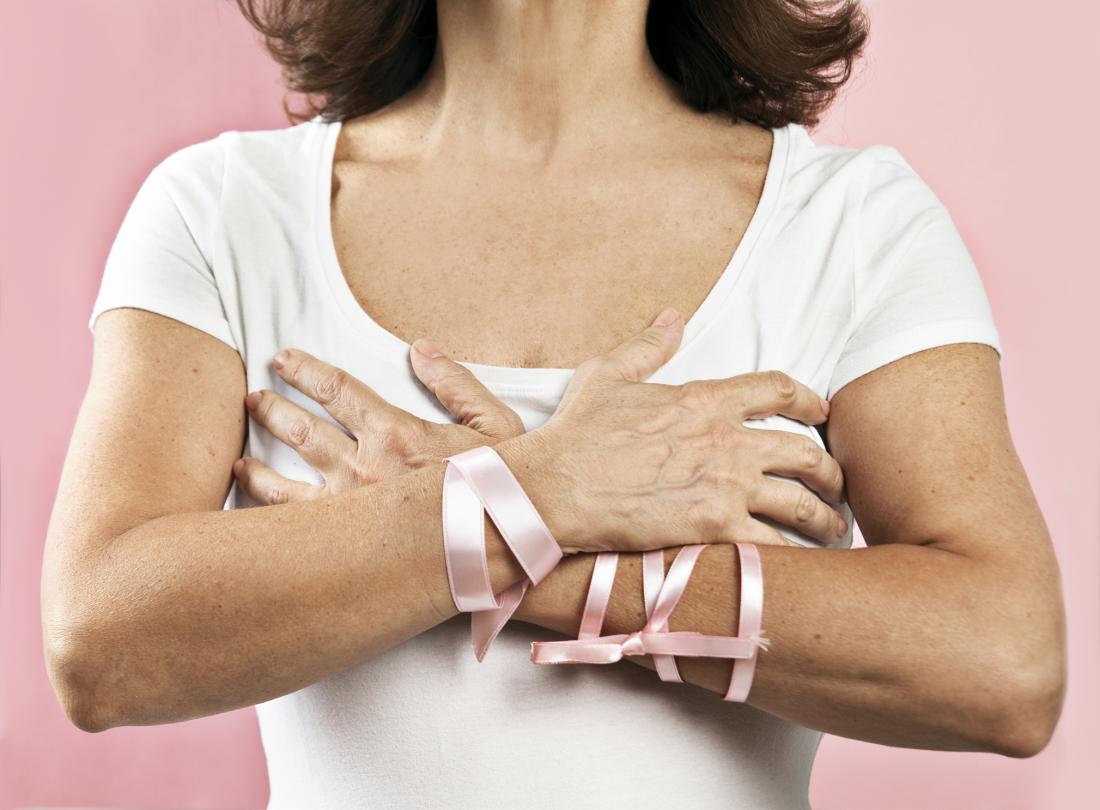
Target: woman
x,y
528,184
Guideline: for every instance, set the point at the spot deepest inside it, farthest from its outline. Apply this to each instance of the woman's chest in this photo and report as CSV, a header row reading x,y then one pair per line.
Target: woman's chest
x,y
514,273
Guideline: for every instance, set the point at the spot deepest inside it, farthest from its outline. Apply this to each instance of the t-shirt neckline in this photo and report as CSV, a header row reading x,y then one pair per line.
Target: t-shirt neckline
x,y
391,349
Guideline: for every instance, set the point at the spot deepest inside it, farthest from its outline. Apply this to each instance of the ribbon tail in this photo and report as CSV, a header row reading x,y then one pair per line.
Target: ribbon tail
x,y
485,625
760,640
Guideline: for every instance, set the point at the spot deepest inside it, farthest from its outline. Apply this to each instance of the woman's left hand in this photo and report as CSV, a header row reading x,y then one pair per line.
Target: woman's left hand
x,y
379,440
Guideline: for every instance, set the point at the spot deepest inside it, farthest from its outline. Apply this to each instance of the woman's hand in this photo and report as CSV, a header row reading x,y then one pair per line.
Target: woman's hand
x,y
646,465
685,423
378,439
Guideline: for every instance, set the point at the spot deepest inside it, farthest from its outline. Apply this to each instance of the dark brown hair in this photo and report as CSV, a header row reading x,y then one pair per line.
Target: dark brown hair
x,y
771,62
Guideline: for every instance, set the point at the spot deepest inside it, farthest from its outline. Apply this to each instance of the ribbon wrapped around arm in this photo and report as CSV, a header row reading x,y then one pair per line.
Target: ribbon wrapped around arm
x,y
661,595
475,482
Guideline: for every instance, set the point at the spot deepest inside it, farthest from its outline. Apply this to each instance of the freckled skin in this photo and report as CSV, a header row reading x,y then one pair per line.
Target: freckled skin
x,y
947,632
547,264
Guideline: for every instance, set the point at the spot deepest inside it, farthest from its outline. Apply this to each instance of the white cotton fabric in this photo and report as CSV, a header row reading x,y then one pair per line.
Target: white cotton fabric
x,y
850,262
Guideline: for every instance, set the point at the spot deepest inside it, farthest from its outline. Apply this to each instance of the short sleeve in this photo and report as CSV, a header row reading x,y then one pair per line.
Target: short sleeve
x,y
915,284
161,257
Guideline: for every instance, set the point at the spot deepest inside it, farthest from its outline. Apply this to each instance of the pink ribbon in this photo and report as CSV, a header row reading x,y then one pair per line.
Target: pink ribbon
x,y
662,595
750,616
478,481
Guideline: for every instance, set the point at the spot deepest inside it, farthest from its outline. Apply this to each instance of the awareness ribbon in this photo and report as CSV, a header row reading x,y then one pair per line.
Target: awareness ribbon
x,y
661,596
478,481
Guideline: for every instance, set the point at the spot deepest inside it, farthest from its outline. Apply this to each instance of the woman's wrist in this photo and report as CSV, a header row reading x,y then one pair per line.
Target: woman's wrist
x,y
557,601
533,461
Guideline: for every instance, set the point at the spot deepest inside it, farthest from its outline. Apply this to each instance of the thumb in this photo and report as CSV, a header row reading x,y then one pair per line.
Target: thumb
x,y
638,357
463,394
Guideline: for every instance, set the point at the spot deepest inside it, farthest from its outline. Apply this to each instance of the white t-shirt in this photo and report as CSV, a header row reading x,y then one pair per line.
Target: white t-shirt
x,y
850,262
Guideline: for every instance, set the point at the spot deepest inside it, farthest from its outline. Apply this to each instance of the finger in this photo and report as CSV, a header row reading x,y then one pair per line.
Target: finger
x,y
636,358
798,456
349,400
463,394
319,442
761,394
756,531
267,487
793,505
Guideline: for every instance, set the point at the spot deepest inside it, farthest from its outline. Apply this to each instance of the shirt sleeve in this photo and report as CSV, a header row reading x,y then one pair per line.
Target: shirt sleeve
x,y
915,284
161,257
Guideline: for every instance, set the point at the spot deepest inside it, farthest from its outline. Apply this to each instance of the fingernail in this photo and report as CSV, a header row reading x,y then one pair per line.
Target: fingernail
x,y
253,399
824,405
666,318
843,529
426,348
280,358
238,465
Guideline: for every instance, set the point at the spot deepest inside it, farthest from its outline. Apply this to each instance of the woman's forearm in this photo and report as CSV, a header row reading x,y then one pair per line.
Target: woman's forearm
x,y
191,614
896,644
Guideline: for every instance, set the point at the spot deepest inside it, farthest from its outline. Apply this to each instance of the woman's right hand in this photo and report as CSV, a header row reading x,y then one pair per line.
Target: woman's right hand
x,y
641,465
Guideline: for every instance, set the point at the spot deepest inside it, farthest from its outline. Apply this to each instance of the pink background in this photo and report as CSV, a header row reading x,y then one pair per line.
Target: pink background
x,y
995,110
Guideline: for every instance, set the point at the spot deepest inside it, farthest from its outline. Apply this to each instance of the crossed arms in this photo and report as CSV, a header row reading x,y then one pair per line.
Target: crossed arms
x,y
947,632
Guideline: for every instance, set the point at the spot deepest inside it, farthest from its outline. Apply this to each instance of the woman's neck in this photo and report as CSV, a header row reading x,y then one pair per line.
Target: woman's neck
x,y
530,81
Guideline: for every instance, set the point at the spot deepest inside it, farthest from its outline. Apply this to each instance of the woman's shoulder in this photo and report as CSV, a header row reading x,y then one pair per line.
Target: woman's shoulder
x,y
208,164
858,176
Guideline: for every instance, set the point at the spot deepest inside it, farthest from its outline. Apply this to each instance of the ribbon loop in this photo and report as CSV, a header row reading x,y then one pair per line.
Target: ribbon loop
x,y
475,482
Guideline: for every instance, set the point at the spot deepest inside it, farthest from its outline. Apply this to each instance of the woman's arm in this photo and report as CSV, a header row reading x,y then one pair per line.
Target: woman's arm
x,y
947,632
158,606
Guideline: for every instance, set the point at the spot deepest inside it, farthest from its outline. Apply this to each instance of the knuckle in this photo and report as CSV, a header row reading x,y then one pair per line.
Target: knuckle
x,y
299,432
380,424
812,454
714,518
244,476
361,475
591,366
700,392
730,478
332,385
464,408
783,383
398,440
754,489
650,337
805,506
277,495
485,423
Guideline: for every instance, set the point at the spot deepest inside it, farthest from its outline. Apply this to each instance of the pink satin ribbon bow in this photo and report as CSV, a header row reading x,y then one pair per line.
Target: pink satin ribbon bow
x,y
478,481
661,596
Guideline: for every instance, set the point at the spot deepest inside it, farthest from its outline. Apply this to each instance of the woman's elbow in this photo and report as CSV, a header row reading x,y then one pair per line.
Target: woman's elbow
x,y
77,676
1021,698
1032,708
